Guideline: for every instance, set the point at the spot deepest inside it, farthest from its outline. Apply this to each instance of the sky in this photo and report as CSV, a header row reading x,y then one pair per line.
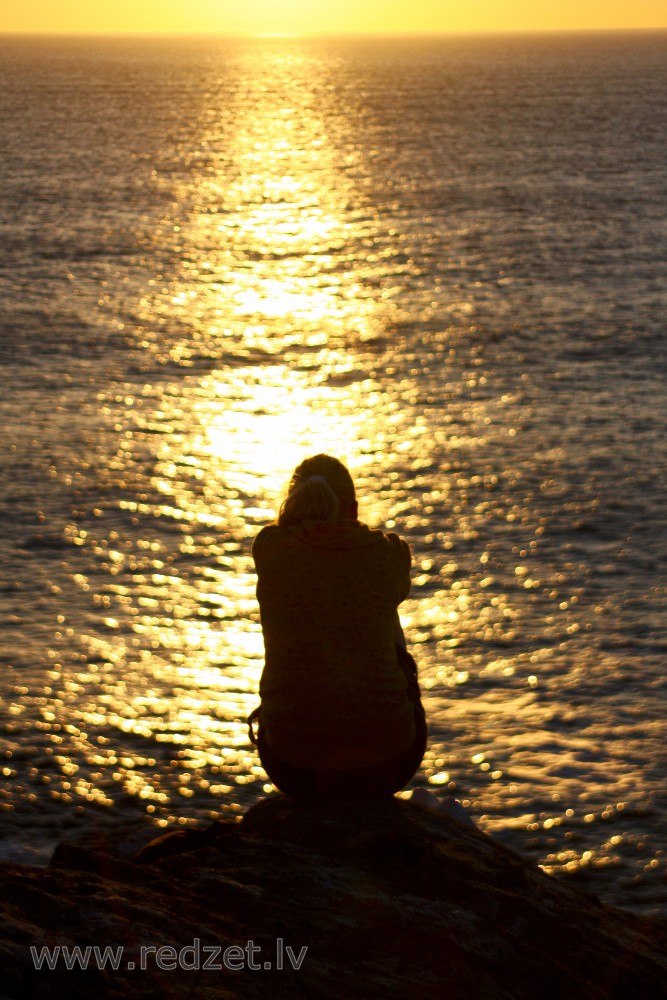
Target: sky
x,y
326,16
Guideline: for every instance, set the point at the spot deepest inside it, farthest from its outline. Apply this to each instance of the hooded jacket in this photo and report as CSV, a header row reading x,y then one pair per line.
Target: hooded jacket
x,y
331,688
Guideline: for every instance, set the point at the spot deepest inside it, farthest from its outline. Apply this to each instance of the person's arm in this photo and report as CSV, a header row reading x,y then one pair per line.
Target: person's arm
x,y
401,561
398,633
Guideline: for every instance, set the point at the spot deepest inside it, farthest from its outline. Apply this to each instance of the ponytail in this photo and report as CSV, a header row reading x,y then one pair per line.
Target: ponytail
x,y
311,499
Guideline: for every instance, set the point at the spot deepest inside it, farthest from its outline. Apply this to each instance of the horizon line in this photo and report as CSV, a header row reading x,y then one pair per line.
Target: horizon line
x,y
277,35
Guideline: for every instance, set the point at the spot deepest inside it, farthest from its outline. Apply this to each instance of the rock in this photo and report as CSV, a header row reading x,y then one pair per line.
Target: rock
x,y
382,899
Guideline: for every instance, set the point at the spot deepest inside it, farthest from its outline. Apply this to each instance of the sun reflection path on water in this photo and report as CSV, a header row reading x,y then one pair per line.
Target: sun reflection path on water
x,y
263,279
266,228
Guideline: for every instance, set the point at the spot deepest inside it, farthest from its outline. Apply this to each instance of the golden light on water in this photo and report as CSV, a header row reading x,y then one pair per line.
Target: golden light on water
x,y
284,269
260,287
266,336
262,245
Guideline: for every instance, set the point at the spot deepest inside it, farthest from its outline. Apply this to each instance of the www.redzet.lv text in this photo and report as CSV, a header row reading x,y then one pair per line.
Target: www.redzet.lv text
x,y
166,957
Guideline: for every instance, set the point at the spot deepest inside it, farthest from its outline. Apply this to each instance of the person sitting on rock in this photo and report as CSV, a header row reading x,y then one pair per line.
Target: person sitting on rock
x,y
340,712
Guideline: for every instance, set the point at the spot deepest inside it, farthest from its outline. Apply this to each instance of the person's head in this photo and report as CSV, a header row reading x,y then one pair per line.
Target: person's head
x,y
321,489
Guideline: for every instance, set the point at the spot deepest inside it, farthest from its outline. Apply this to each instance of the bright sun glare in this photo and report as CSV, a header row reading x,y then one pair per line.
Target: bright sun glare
x,y
273,18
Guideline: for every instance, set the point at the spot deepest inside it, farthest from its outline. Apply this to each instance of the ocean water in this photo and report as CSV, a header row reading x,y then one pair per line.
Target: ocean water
x,y
441,259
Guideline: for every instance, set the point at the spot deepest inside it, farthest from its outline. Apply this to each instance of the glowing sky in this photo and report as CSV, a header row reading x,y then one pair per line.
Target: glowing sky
x,y
326,16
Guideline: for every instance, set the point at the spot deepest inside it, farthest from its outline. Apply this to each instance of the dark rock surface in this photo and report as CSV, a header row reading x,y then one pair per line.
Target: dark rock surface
x,y
389,899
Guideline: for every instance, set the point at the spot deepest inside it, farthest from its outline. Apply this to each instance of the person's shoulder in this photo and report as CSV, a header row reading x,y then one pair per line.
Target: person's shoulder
x,y
266,537
397,545
389,540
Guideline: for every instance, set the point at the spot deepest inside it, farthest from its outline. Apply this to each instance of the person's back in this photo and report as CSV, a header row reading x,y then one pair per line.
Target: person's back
x,y
340,707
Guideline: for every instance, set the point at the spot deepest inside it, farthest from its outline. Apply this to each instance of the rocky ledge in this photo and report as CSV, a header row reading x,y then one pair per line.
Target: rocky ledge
x,y
383,900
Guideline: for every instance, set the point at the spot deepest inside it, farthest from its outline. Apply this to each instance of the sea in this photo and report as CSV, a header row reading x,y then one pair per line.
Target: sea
x,y
439,258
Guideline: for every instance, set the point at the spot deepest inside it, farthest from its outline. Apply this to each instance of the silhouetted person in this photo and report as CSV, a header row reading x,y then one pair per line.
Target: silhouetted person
x,y
340,713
